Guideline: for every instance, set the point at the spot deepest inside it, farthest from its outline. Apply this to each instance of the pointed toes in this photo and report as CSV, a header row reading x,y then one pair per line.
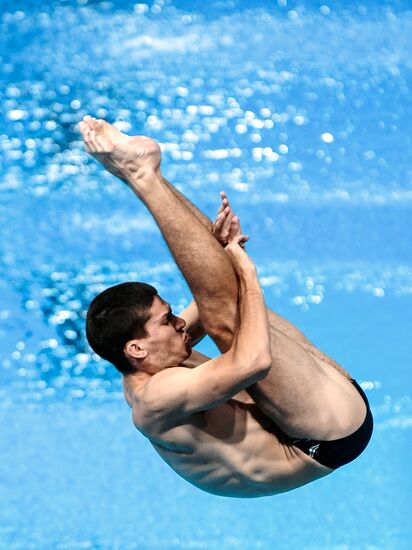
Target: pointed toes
x,y
84,127
92,122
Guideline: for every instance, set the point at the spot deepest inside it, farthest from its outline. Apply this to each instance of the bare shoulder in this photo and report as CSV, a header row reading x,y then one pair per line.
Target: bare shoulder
x,y
134,388
154,400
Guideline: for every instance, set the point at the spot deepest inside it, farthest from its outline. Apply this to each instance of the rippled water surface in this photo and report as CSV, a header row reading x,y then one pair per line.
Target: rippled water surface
x,y
301,112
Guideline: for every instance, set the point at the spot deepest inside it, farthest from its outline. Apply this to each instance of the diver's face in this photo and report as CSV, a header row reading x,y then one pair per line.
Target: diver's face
x,y
166,343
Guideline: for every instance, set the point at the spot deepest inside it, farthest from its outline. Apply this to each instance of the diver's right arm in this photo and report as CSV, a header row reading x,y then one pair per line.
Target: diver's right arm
x,y
175,393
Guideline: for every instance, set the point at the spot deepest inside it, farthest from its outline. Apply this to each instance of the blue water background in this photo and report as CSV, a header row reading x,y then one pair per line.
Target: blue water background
x,y
299,110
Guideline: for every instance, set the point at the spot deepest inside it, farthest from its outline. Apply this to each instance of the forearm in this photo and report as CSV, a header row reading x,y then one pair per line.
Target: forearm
x,y
252,339
194,325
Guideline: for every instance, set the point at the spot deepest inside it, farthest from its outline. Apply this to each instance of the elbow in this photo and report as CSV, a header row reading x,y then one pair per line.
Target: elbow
x,y
256,365
262,365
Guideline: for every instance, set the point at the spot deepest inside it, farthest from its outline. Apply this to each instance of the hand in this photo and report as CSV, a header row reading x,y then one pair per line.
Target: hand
x,y
237,255
227,225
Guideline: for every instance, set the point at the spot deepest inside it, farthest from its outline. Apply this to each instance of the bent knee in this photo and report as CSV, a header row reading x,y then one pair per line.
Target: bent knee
x,y
221,312
221,334
344,414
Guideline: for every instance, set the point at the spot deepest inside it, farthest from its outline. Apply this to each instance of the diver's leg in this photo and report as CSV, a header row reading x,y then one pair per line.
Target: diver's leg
x,y
201,259
302,397
224,322
201,217
275,320
301,394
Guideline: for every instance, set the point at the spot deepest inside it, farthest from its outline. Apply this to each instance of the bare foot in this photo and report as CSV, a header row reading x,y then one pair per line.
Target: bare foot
x,y
127,157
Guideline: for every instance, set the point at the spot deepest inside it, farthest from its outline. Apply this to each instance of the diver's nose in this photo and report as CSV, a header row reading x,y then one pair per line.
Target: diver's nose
x,y
181,323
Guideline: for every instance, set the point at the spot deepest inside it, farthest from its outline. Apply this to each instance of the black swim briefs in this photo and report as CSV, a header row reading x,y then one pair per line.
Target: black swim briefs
x,y
338,452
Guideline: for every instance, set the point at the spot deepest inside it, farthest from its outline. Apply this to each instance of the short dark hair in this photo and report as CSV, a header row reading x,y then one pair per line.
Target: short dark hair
x,y
115,316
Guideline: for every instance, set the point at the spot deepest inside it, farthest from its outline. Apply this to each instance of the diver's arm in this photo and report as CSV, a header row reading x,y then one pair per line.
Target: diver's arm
x,y
175,393
194,325
225,228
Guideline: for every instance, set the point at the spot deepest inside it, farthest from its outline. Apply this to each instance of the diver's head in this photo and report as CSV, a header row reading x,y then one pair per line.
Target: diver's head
x,y
133,328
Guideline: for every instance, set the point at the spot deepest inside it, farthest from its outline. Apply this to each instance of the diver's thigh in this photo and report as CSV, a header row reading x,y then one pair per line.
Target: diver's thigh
x,y
279,323
305,397
282,324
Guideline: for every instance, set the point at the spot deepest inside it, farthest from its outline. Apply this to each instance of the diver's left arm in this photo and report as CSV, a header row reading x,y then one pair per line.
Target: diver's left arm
x,y
224,233
194,325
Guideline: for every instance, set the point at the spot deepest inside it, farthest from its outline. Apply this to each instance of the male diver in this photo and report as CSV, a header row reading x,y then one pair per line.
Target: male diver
x,y
272,412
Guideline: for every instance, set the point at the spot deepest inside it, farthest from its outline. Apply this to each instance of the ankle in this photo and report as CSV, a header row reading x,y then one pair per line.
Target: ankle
x,y
145,177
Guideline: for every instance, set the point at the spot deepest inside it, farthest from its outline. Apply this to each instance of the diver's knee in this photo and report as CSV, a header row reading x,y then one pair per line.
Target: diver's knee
x,y
220,323
222,336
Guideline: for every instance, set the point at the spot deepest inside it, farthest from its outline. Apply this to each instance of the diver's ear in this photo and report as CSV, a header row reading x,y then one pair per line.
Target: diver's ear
x,y
134,348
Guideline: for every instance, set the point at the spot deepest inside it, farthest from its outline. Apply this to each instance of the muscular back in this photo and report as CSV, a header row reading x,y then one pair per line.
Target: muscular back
x,y
240,457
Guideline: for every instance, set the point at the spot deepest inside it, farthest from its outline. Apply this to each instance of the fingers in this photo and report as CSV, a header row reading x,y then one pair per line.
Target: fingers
x,y
227,226
221,208
223,196
227,221
238,240
219,220
235,231
225,207
234,228
235,225
224,202
241,240
222,216
224,210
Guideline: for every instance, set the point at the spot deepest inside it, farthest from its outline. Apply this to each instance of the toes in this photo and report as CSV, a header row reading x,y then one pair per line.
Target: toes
x,y
92,122
94,134
92,143
85,131
87,127
84,128
101,140
87,120
100,143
